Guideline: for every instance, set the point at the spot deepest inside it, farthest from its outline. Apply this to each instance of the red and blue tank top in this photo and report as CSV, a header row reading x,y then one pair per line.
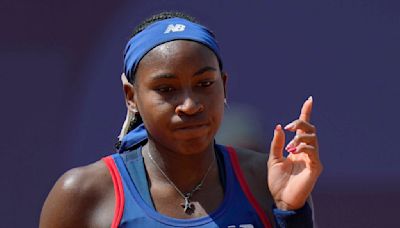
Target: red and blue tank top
x,y
133,202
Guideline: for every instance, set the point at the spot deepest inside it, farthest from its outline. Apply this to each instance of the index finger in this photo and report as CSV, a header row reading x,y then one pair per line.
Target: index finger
x,y
305,114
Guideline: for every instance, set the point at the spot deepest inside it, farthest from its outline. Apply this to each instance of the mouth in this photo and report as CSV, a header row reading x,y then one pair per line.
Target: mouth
x,y
192,130
191,126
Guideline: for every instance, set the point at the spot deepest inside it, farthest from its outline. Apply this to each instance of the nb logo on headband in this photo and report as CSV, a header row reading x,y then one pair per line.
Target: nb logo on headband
x,y
175,28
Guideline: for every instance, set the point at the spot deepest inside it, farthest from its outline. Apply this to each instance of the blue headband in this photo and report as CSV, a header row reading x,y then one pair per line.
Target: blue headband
x,y
161,32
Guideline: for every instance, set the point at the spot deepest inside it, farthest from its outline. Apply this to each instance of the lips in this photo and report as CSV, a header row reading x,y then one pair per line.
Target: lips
x,y
191,130
189,126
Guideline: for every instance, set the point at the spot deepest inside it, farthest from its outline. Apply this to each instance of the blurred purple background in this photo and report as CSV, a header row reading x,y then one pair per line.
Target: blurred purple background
x,y
62,104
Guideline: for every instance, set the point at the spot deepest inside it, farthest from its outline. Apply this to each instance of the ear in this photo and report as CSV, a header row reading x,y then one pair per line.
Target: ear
x,y
224,76
129,93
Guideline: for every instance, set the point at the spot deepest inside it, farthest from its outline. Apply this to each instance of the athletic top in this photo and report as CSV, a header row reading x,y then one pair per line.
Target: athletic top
x,y
238,208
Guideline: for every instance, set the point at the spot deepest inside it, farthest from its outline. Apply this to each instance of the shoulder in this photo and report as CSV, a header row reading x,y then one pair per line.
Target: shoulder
x,y
251,161
253,165
76,196
254,168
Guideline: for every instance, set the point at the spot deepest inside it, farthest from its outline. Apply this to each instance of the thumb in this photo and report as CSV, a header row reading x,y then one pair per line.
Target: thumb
x,y
277,144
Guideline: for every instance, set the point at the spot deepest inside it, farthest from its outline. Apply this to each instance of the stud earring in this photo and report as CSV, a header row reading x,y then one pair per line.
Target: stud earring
x,y
226,103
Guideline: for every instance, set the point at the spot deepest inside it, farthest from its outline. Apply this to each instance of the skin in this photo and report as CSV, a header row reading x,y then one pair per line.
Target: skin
x,y
292,178
179,92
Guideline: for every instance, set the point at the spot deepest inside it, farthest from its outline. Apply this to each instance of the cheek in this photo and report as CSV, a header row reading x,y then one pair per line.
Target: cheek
x,y
216,106
149,106
153,109
219,113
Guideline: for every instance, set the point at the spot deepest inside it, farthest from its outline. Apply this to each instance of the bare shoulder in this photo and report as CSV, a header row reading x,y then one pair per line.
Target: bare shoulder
x,y
78,198
254,168
251,161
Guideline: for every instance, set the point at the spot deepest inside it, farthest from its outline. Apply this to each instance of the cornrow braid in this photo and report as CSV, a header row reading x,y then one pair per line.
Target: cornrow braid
x,y
159,17
132,121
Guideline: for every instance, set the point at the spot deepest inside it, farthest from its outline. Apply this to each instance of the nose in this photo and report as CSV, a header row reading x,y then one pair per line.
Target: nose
x,y
189,105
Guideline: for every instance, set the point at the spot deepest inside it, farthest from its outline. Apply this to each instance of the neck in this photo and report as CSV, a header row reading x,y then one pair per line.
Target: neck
x,y
185,170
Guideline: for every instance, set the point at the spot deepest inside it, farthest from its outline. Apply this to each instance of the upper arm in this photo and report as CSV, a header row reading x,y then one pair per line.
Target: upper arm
x,y
65,205
74,199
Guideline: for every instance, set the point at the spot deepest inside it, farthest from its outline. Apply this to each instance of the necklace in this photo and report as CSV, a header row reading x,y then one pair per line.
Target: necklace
x,y
187,206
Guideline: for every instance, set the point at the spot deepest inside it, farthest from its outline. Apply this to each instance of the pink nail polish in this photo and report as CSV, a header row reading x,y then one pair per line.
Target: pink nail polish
x,y
292,150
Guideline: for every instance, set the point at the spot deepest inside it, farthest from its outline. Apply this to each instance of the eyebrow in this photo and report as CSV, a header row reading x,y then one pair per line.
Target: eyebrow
x,y
160,76
204,69
197,73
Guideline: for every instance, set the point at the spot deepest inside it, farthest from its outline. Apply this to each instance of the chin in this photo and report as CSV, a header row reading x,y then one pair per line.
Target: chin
x,y
195,145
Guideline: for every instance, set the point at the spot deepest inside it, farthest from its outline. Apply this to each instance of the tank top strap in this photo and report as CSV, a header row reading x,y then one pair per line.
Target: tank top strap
x,y
134,164
118,190
234,160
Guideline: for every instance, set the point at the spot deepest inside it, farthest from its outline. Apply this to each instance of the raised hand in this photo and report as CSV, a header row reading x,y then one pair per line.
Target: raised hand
x,y
292,178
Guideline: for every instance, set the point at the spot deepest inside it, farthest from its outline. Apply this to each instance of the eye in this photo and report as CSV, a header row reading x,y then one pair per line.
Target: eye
x,y
165,89
205,83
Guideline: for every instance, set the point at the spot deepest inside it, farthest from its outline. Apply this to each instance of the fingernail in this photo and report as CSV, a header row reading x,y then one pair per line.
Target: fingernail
x,y
310,98
292,150
290,145
291,125
278,127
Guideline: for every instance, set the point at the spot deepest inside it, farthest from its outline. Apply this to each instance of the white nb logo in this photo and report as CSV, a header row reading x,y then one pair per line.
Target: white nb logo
x,y
175,28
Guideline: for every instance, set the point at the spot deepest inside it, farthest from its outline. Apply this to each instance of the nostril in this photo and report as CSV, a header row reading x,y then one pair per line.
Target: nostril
x,y
189,107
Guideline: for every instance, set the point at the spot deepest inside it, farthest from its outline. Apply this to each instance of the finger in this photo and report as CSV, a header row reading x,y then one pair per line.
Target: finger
x,y
305,113
310,150
277,144
310,139
302,126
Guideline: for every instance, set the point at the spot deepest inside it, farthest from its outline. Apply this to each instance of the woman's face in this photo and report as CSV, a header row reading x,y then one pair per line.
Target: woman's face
x,y
179,92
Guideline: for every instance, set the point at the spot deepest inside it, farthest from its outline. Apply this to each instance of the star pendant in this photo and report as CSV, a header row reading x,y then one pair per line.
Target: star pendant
x,y
188,206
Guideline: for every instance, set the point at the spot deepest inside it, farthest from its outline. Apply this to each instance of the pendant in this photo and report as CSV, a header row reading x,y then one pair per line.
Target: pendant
x,y
188,206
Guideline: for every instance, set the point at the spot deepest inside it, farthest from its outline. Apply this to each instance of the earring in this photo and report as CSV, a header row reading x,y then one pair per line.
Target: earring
x,y
226,103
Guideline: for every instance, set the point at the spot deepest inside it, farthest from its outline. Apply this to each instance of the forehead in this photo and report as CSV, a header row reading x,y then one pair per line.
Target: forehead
x,y
177,55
